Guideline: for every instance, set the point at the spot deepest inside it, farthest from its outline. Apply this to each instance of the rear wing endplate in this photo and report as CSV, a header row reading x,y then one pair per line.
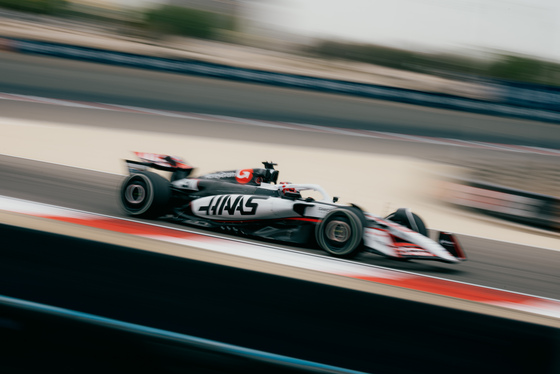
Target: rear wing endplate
x,y
158,162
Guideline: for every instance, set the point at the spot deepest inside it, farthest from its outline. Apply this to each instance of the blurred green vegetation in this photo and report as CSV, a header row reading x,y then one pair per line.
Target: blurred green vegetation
x,y
36,6
154,22
525,69
499,66
182,21
368,53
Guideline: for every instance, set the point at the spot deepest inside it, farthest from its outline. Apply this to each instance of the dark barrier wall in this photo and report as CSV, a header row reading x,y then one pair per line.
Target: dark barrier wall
x,y
195,67
285,316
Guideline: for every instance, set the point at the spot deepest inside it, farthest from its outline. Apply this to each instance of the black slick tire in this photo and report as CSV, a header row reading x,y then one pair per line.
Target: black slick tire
x,y
145,195
340,233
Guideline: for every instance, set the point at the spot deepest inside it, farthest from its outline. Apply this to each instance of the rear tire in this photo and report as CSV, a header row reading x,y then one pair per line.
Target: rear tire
x,y
145,194
340,233
403,216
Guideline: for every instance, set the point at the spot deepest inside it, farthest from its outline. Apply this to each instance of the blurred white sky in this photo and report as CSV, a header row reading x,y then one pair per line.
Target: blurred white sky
x,y
522,26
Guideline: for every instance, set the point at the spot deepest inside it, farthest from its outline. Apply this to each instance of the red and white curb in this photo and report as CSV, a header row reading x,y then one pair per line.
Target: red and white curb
x,y
269,253
285,125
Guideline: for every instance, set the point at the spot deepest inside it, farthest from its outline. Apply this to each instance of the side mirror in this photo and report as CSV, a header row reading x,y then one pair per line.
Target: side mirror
x,y
335,199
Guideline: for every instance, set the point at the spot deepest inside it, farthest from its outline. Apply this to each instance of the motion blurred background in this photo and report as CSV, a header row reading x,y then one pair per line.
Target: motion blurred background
x,y
492,52
469,40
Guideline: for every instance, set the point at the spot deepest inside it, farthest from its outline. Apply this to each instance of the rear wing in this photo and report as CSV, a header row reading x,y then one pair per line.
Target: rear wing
x,y
158,162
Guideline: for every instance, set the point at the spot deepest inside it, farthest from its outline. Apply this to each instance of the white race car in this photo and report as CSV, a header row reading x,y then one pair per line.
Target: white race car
x,y
251,202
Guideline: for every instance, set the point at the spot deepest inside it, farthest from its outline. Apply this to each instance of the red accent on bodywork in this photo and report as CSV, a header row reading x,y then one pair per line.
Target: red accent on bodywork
x,y
460,253
244,176
303,219
408,245
161,159
276,219
394,240
400,248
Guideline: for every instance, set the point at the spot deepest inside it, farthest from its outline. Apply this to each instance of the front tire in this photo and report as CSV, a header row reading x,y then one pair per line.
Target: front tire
x,y
145,195
405,217
340,233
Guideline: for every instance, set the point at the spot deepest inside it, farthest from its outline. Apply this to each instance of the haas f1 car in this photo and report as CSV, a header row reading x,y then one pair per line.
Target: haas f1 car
x,y
251,202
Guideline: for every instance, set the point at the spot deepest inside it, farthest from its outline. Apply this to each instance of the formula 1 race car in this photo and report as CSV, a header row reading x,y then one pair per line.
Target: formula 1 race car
x,y
251,202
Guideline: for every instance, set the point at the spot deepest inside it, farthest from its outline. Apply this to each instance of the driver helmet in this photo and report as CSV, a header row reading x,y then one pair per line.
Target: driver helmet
x,y
288,191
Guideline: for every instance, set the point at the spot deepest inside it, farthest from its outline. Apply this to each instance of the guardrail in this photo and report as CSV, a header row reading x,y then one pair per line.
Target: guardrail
x,y
287,80
504,202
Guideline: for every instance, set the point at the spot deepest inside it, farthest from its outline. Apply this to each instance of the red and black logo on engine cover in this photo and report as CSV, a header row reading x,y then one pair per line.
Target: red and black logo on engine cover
x,y
244,175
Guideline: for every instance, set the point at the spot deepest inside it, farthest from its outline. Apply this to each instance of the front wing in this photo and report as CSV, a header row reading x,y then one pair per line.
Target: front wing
x,y
401,243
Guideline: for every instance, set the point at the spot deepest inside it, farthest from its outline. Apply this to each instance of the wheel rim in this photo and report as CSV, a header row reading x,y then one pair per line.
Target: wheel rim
x,y
338,231
135,194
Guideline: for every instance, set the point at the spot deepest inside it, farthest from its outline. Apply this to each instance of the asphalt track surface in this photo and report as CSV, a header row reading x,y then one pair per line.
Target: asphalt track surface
x,y
74,80
494,264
